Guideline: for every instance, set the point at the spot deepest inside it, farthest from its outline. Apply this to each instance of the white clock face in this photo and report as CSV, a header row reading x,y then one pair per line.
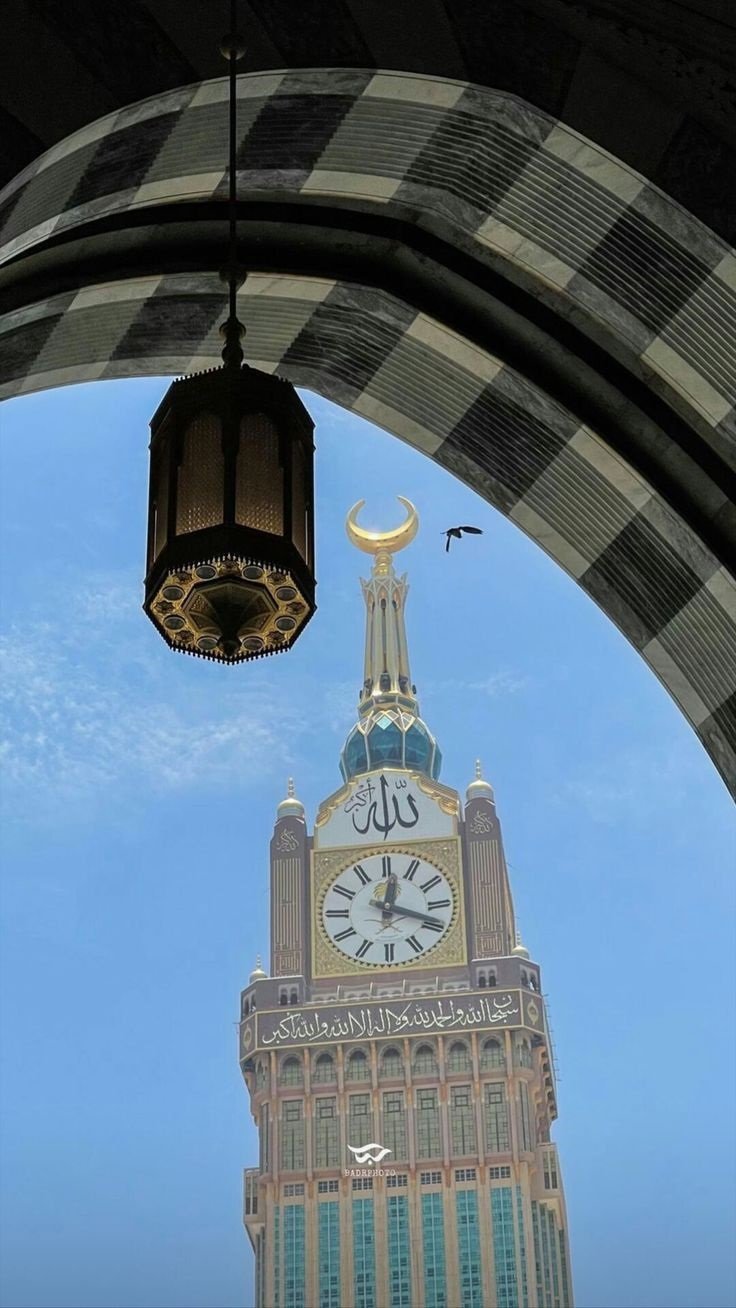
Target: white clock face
x,y
388,909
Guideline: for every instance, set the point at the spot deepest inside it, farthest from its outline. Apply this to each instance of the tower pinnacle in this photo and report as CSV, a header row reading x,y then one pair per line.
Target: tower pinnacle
x,y
390,731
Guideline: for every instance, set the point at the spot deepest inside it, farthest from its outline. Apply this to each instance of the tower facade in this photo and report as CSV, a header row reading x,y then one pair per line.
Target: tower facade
x,y
396,1053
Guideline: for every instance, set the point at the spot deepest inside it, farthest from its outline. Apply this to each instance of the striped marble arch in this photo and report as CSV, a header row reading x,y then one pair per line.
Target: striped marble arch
x,y
451,263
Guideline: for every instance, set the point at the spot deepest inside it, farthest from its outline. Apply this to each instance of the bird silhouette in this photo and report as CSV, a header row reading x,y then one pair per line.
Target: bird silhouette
x,y
457,533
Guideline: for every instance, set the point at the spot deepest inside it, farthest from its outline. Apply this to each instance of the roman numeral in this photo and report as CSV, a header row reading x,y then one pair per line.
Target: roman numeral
x,y
388,951
362,950
416,946
411,870
438,903
433,881
385,866
343,935
432,926
346,894
339,912
361,874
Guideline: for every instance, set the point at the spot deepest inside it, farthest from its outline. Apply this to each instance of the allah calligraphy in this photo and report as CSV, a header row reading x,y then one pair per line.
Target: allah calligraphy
x,y
386,812
384,805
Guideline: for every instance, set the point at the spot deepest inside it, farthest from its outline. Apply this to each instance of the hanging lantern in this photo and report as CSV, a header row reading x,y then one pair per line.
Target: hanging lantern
x,y
230,520
230,569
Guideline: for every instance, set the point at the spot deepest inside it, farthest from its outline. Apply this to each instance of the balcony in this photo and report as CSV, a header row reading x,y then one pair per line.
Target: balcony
x,y
251,1216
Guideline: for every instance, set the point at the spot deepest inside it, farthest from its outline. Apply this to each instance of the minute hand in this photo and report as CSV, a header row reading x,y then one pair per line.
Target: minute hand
x,y
410,912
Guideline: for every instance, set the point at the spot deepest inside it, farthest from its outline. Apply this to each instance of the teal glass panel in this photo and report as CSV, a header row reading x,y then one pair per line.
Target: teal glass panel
x,y
356,756
276,1257
329,1255
504,1249
417,748
433,1247
294,1256
364,1254
468,1245
522,1247
564,1273
385,744
399,1266
437,762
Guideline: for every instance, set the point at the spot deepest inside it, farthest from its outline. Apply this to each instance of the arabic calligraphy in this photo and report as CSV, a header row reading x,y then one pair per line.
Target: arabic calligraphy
x,y
392,1019
386,811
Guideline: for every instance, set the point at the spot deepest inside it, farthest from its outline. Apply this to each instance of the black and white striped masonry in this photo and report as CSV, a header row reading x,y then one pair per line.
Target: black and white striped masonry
x,y
508,192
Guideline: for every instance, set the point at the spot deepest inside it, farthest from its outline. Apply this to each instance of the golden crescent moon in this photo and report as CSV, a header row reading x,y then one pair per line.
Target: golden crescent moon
x,y
375,542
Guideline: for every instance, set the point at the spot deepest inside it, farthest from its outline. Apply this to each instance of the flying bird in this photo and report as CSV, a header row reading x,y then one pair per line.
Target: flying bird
x,y
457,533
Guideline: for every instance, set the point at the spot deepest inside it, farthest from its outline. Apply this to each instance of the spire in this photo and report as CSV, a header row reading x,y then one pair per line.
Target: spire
x,y
291,806
390,730
479,789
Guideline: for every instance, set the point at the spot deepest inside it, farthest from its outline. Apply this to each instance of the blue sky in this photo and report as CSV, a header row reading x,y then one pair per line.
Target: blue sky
x,y
138,798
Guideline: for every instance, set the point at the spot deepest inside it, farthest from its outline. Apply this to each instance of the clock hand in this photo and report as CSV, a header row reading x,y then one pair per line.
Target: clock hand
x,y
410,912
390,893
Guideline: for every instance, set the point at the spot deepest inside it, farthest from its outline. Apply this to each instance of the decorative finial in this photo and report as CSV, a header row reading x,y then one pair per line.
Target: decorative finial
x,y
519,949
382,544
258,973
291,806
479,789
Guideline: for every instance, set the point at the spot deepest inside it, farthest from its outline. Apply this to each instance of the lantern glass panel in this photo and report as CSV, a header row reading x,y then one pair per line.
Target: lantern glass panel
x,y
200,486
160,501
259,486
299,501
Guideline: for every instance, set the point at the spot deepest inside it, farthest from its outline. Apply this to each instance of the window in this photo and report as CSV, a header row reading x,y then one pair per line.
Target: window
x,y
292,1136
525,1121
362,1182
360,1120
364,1254
328,1187
496,1120
491,1055
462,1121
430,1178
290,1191
324,1069
468,1244
523,1054
458,1059
261,1075
429,1143
392,1067
294,1264
433,1242
358,1068
399,1249
290,1072
425,1063
326,1134
329,1254
465,1174
264,1139
397,1182
393,1136
499,1173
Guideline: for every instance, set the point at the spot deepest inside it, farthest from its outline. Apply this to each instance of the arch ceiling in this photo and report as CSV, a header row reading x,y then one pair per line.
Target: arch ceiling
x,y
452,263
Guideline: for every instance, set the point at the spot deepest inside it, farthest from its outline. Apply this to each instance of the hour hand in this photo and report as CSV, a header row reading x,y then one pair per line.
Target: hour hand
x,y
389,895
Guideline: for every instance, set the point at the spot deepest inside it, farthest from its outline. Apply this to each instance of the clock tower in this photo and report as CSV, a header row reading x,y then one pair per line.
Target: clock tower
x,y
397,1054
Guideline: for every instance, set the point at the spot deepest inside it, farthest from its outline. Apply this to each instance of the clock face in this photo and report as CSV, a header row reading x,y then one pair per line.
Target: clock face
x,y
388,909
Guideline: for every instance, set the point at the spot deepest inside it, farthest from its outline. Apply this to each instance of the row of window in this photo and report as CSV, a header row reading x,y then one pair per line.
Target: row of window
x,y
360,1127
391,1064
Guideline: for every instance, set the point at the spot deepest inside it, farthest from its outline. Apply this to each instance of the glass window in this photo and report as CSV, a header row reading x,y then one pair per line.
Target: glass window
x,y
324,1068
491,1055
429,1143
329,1251
458,1059
290,1072
392,1067
326,1134
433,1249
425,1063
358,1067
496,1119
393,1136
399,1247
292,1136
462,1122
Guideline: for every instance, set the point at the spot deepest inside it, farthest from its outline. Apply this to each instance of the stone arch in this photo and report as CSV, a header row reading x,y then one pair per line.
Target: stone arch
x,y
496,290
